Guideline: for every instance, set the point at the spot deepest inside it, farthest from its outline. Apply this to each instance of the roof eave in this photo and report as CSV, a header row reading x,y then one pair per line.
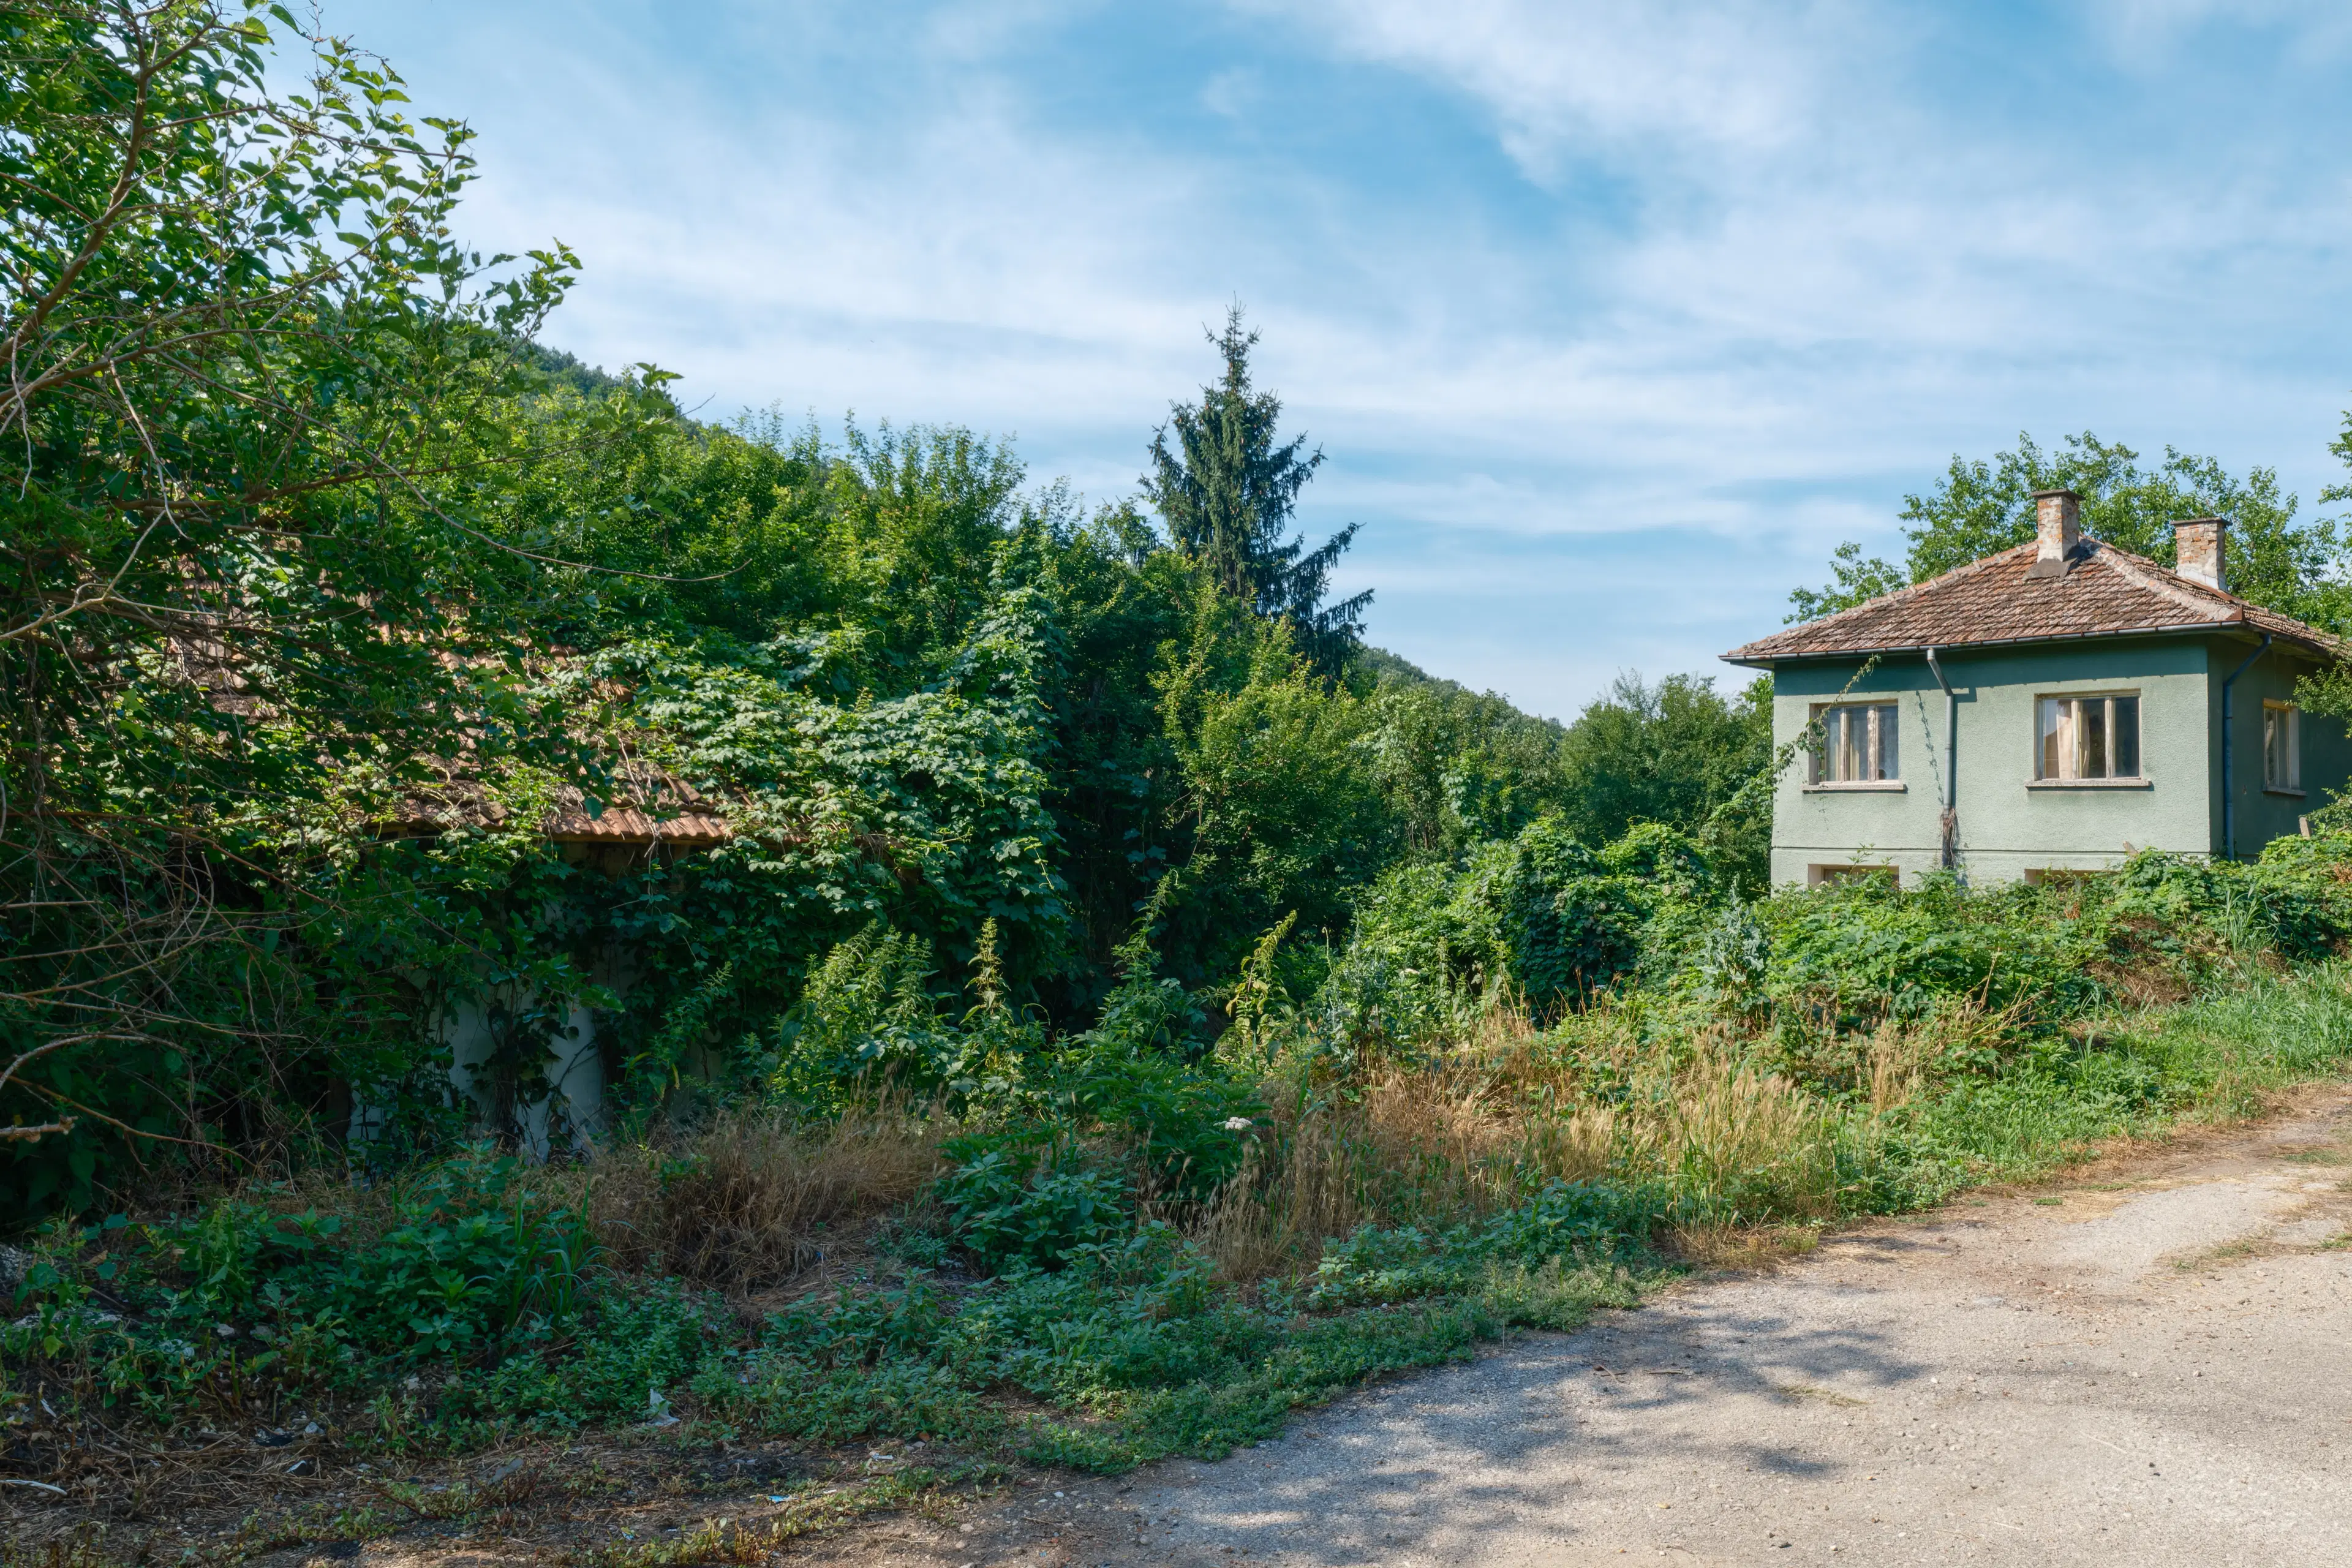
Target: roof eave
x,y
2239,628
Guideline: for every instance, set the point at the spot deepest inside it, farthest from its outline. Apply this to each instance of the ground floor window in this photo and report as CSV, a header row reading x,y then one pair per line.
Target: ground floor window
x,y
2088,737
2281,748
1860,744
1821,876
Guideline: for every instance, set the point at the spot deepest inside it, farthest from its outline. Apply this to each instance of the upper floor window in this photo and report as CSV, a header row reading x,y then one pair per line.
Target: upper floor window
x,y
2087,738
2281,748
1860,744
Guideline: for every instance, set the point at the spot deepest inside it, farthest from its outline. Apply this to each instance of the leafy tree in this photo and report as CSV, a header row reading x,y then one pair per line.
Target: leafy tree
x,y
1672,753
1227,493
237,579
1457,767
330,589
1124,607
1279,815
1854,580
1980,507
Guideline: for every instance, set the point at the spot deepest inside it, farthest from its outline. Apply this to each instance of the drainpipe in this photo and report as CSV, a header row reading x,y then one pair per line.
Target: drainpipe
x,y
1951,763
2229,782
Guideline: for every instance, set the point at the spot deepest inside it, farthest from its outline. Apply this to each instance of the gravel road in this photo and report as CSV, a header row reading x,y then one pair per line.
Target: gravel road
x,y
2150,1366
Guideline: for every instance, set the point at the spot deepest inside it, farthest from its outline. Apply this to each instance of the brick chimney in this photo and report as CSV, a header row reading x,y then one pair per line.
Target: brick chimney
x,y
2197,544
2058,529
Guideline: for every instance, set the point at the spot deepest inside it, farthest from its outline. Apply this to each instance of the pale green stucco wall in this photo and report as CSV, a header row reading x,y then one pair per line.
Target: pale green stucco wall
x,y
2008,823
2263,815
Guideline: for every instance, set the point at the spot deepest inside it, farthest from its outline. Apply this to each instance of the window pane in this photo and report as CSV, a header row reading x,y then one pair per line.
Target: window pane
x,y
2093,727
1889,743
2282,759
1853,748
2051,754
2125,739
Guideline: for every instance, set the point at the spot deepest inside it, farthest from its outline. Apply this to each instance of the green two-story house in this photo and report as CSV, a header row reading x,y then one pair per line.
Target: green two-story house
x,y
2053,708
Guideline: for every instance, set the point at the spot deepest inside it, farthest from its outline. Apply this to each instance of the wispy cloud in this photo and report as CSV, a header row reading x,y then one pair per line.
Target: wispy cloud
x,y
2149,33
1734,80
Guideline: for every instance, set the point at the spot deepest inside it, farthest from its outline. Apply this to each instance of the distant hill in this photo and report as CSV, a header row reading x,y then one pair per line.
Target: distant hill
x,y
1378,664
570,369
1379,667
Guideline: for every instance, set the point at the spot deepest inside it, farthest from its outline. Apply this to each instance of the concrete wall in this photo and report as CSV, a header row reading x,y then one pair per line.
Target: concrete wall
x,y
2264,814
564,1106
2009,823
559,1106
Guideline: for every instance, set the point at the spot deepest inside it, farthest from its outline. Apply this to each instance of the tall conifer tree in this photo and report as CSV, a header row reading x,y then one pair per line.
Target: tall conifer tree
x,y
1227,492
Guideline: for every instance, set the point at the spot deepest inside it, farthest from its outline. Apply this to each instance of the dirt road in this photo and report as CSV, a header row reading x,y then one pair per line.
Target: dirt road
x,y
2150,1366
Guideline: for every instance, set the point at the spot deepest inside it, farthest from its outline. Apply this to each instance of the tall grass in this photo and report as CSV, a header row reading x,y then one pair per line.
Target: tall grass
x,y
1762,1127
759,1193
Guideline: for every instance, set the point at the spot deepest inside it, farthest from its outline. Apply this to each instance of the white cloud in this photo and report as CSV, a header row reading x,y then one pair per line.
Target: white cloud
x,y
1731,77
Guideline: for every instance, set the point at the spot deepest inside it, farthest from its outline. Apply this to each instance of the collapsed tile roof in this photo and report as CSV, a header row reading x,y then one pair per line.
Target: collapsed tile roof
x,y
2105,593
651,806
646,804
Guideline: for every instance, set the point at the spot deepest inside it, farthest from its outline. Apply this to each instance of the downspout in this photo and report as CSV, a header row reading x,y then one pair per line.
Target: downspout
x,y
2229,780
1951,763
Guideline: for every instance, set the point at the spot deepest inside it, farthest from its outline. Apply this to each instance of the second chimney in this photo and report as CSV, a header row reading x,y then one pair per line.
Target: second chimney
x,y
2197,545
2058,529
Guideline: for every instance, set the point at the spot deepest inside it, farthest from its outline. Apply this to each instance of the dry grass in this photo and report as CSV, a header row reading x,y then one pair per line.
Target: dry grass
x,y
1447,1138
758,1194
750,1198
1743,1248
1462,1132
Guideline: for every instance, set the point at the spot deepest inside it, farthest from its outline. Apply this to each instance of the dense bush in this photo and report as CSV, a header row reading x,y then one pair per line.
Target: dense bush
x,y
460,1264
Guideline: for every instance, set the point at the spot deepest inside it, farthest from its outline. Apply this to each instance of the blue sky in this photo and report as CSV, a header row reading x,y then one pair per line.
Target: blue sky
x,y
1612,319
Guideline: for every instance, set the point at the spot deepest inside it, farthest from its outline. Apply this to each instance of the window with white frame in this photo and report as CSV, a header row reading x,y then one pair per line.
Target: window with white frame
x,y
1860,744
2281,746
2087,738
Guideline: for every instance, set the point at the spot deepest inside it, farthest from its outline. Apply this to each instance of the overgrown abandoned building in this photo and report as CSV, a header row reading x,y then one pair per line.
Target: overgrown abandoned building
x,y
2051,708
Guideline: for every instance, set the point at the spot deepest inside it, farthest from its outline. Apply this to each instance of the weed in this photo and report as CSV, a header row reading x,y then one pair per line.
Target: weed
x,y
1797,1391
1179,1247
727,1540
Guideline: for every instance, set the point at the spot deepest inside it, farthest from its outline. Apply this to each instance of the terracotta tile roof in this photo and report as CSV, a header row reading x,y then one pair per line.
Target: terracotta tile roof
x,y
649,804
2109,593
653,808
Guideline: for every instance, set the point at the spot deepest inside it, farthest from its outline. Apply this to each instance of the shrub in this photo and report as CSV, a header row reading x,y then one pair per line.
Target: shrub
x,y
1029,1197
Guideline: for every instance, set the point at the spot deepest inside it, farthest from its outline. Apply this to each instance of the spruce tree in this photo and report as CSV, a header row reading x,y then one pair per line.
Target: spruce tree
x,y
1227,492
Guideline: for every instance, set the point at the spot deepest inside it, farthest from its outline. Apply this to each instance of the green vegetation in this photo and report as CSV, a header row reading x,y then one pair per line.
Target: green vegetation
x,y
1149,1010
1227,492
1980,507
314,621
1155,1241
